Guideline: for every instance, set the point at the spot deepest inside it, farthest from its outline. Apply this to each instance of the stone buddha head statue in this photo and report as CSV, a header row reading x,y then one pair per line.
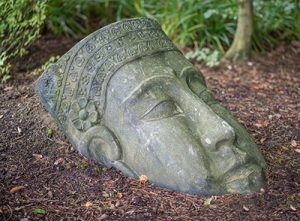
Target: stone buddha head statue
x,y
126,97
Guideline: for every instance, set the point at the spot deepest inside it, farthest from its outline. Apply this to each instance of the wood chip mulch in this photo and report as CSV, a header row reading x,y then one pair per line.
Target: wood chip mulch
x,y
43,178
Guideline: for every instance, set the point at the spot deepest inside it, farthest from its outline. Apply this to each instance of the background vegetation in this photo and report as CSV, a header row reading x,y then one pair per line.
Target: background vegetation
x,y
20,24
206,25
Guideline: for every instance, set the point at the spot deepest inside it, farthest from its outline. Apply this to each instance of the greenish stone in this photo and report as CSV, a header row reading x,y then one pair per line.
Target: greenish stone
x,y
128,98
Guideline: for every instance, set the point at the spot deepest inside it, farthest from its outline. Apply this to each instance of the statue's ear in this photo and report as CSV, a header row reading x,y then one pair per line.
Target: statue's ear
x,y
100,144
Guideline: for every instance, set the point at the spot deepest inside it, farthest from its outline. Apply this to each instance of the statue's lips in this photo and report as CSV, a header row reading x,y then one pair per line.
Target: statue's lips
x,y
247,175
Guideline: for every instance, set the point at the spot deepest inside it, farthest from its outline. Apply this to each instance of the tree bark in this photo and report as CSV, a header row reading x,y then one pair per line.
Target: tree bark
x,y
240,50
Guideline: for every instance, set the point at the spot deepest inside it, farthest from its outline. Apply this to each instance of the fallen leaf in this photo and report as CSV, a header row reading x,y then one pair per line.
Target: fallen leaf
x,y
19,130
284,110
130,212
143,178
265,123
258,125
294,143
285,148
236,79
208,201
88,204
118,204
37,156
58,161
119,195
72,192
68,165
103,216
50,194
1,116
39,211
293,208
105,194
245,208
297,150
262,140
8,88
16,189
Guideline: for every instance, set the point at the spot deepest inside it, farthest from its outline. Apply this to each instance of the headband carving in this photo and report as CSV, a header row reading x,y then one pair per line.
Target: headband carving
x,y
86,69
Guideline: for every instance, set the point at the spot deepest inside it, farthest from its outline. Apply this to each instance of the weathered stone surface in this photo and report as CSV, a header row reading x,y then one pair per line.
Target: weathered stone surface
x,y
127,97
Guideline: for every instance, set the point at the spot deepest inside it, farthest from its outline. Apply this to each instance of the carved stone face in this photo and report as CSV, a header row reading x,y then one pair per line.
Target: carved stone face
x,y
172,130
147,111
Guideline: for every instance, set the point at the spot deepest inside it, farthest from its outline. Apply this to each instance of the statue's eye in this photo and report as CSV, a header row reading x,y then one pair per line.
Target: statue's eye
x,y
163,109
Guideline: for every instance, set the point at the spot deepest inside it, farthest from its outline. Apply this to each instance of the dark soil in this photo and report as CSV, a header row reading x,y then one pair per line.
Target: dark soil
x,y
35,156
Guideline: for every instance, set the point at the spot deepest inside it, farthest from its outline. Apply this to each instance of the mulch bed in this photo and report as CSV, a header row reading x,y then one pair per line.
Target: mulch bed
x,y
43,178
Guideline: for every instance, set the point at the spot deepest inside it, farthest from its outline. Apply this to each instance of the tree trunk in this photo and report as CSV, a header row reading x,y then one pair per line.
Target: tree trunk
x,y
240,50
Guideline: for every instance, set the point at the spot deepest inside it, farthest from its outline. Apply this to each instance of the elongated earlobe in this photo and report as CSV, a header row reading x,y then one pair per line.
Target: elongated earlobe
x,y
100,144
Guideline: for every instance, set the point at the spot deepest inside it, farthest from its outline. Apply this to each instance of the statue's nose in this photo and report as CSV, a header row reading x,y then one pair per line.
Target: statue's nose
x,y
217,138
219,135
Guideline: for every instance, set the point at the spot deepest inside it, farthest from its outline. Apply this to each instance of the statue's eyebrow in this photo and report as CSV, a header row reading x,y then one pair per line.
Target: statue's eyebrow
x,y
137,90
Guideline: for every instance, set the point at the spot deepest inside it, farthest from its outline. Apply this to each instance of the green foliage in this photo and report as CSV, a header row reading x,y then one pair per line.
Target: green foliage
x,y
208,25
208,201
73,17
210,57
83,165
39,211
20,23
49,132
276,22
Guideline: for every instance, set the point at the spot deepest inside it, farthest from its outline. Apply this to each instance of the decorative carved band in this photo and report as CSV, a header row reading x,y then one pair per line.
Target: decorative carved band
x,y
86,69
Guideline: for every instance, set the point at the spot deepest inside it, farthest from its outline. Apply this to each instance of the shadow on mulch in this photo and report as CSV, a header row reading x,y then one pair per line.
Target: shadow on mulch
x,y
56,183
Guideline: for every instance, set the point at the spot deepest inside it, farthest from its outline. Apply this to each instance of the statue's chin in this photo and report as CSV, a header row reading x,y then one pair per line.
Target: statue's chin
x,y
244,179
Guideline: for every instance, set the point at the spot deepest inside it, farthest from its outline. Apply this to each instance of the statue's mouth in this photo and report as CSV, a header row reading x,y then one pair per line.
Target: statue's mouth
x,y
244,178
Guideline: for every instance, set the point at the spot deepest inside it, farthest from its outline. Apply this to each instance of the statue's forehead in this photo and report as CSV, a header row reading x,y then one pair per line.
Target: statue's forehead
x,y
132,74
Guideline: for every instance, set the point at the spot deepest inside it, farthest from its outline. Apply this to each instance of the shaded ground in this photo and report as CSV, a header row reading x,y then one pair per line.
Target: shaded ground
x,y
264,95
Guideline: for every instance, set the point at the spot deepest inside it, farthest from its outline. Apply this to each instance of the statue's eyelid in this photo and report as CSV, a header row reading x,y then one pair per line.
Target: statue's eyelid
x,y
171,104
156,105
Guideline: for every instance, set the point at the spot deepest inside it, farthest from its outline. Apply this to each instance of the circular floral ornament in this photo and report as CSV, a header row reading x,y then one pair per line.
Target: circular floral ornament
x,y
83,114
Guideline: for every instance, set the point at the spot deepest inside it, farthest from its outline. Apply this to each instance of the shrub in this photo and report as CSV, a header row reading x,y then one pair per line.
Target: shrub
x,y
74,17
20,23
209,25
276,22
206,23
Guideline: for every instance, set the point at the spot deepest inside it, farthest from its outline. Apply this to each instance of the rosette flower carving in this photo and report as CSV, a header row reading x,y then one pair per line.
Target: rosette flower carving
x,y
83,114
